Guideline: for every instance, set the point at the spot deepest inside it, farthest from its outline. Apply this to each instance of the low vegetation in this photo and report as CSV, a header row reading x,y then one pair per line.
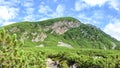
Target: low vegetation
x,y
91,47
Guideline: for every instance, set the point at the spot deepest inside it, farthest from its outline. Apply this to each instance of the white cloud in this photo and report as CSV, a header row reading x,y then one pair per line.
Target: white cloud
x,y
95,2
83,18
60,10
7,13
27,3
29,10
83,4
113,29
29,14
7,23
115,4
79,5
95,19
9,3
44,9
98,15
43,19
29,18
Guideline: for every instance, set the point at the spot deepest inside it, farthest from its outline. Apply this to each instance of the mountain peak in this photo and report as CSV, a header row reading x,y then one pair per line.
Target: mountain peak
x,y
64,29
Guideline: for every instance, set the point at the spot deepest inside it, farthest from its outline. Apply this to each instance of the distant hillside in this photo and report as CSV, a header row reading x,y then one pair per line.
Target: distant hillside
x,y
65,31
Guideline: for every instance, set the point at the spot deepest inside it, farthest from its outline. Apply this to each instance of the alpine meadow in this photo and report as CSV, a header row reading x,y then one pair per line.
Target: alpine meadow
x,y
63,42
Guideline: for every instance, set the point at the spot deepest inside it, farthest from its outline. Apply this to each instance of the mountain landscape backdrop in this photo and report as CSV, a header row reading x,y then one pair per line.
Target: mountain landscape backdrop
x,y
65,42
66,30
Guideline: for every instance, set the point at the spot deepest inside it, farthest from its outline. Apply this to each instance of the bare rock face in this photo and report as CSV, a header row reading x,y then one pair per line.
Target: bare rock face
x,y
39,37
50,63
14,29
24,36
62,26
64,45
56,64
113,45
41,45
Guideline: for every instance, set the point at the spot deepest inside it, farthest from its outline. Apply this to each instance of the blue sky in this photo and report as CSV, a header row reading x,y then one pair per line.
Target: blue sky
x,y
105,14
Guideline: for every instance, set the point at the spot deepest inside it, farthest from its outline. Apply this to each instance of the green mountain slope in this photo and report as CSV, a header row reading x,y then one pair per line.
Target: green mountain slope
x,y
65,31
61,42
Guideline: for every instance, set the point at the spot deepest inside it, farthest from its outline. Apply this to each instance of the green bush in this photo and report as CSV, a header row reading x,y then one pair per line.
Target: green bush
x,y
11,56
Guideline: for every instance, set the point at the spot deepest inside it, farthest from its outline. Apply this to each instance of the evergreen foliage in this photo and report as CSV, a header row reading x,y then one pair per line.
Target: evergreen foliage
x,y
11,56
88,44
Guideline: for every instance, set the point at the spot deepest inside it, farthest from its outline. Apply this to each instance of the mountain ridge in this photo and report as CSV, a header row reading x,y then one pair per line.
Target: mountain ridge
x,y
64,29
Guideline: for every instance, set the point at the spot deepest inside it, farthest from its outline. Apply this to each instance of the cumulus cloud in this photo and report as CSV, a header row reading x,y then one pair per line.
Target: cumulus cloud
x,y
8,10
113,29
27,3
83,4
95,18
44,9
10,3
115,4
60,9
95,2
29,10
7,13
79,5
29,18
